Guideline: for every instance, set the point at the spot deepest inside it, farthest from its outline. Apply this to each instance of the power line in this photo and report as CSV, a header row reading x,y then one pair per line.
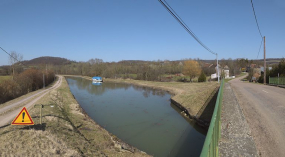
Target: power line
x,y
176,16
260,47
12,56
256,19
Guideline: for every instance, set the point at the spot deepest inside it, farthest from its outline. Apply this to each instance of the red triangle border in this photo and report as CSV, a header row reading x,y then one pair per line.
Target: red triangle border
x,y
32,122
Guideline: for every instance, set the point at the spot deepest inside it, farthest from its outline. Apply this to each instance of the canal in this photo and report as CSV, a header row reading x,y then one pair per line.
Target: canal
x,y
142,117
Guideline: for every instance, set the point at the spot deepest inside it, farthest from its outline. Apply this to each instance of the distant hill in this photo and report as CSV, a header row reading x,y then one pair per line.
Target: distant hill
x,y
48,60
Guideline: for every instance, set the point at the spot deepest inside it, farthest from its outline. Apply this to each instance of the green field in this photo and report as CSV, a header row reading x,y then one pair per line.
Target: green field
x,y
3,78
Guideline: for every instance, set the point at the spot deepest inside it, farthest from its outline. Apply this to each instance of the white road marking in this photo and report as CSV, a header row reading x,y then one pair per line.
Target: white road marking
x,y
264,91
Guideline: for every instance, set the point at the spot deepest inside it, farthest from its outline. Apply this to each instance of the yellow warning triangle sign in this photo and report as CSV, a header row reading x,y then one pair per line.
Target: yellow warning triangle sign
x,y
23,118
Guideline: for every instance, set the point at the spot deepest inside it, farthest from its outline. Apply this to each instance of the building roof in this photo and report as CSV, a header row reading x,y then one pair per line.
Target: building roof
x,y
207,65
226,67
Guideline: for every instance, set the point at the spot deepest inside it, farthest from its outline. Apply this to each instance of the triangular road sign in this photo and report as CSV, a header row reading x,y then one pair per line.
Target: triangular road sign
x,y
23,118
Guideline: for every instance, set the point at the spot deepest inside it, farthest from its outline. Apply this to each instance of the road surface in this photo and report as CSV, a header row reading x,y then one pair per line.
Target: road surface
x,y
8,117
264,109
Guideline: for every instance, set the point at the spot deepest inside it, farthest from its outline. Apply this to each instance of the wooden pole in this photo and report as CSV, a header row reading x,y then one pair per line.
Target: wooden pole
x,y
43,81
41,114
264,63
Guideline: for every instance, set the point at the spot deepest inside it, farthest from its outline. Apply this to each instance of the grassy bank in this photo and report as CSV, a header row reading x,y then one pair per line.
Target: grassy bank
x,y
191,96
66,131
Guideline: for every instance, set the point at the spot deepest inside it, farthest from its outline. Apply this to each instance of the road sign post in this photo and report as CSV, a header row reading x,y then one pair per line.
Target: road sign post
x,y
41,106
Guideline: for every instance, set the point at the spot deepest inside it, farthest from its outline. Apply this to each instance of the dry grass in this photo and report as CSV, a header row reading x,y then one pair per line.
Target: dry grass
x,y
191,96
66,131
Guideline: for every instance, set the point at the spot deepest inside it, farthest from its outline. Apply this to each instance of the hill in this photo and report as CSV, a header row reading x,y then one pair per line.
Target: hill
x,y
48,60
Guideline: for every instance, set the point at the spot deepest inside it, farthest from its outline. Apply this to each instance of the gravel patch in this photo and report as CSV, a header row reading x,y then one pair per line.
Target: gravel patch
x,y
236,139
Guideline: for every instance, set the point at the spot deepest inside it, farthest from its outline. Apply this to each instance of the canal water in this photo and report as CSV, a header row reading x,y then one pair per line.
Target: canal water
x,y
142,117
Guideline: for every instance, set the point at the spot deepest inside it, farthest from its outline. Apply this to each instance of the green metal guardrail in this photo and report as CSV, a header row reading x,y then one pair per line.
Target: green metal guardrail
x,y
211,143
277,80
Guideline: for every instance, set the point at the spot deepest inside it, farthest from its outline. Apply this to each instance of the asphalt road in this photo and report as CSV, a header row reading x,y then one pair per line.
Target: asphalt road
x,y
8,117
264,109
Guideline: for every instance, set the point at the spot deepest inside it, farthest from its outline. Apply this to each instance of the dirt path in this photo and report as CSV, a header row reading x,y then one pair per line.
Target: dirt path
x,y
264,109
10,115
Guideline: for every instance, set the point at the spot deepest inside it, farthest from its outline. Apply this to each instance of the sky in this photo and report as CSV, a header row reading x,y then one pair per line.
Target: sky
x,y
115,30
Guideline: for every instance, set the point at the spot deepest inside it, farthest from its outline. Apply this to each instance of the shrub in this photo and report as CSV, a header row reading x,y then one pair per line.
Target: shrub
x,y
25,82
202,77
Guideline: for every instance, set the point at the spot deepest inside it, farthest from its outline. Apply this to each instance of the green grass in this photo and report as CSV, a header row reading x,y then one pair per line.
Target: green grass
x,y
3,78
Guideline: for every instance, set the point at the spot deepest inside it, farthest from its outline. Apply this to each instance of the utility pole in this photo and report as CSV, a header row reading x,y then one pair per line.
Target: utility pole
x,y
43,81
264,79
218,67
278,78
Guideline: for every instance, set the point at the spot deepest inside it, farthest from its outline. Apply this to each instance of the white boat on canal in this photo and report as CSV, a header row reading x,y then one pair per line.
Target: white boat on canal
x,y
97,79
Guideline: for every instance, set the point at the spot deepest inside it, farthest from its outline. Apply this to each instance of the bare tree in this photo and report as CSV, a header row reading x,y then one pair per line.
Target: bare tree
x,y
15,58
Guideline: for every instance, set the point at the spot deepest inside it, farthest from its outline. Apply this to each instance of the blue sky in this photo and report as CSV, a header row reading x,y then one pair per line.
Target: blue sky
x,y
115,30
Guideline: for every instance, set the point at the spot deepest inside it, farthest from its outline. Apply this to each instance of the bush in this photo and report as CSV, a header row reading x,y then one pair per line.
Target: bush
x,y
202,77
23,83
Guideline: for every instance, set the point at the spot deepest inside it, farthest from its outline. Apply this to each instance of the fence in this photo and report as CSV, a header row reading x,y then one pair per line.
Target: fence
x,y
277,80
211,143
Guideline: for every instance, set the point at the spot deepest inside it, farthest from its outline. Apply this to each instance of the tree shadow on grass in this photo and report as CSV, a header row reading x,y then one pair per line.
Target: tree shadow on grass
x,y
4,126
29,127
35,127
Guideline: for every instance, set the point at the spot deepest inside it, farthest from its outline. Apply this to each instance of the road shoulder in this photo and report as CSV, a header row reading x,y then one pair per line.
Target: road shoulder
x,y
236,139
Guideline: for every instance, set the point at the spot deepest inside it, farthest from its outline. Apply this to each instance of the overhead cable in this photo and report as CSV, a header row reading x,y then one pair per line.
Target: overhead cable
x,y
176,16
260,47
256,19
12,56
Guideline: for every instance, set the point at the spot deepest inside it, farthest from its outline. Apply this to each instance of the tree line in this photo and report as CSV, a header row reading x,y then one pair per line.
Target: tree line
x,y
25,82
148,70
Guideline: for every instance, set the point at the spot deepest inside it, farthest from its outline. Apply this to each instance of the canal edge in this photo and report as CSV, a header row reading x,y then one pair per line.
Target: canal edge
x,y
118,143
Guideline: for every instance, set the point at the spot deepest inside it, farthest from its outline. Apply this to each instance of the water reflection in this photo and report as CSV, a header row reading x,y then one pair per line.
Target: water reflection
x,y
87,85
97,83
140,116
